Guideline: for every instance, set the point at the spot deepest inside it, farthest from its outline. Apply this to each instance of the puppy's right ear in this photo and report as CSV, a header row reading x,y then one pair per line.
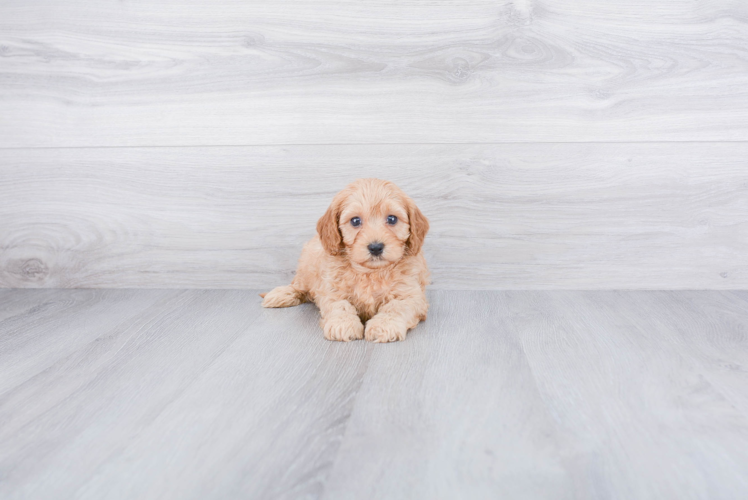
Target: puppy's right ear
x,y
328,228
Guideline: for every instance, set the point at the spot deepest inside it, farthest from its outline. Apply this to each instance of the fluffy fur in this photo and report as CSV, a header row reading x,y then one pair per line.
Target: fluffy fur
x,y
361,295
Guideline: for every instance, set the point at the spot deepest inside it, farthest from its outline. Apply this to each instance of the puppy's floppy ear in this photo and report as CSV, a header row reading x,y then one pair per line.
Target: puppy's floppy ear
x,y
419,226
328,228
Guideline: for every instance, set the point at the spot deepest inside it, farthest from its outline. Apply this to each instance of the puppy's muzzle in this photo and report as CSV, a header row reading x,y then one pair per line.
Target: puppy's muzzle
x,y
376,248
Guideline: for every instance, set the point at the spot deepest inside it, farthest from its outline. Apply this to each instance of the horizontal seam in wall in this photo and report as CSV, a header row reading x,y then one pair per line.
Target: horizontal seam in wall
x,y
497,143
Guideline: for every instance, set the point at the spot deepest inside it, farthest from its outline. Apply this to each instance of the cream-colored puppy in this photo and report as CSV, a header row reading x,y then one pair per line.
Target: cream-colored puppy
x,y
365,266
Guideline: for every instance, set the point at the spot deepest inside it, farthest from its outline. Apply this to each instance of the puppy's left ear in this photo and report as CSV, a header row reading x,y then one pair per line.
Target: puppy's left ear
x,y
419,226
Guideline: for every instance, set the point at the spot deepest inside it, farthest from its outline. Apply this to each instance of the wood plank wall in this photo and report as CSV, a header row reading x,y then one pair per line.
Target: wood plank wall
x,y
163,144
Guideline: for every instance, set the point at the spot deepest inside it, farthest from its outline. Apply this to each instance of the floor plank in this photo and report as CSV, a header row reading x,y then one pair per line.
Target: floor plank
x,y
84,313
454,412
193,375
630,397
263,425
16,302
290,72
502,216
514,394
542,395
709,328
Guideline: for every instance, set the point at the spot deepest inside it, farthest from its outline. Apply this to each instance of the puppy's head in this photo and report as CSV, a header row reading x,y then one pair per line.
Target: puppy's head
x,y
372,223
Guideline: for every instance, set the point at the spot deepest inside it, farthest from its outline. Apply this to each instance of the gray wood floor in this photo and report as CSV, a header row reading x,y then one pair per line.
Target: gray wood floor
x,y
516,394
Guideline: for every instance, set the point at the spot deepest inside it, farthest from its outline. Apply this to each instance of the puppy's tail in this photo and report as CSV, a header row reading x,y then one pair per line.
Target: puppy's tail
x,y
283,296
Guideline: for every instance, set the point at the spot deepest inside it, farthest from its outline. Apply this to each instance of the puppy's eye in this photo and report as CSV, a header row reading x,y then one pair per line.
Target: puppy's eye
x,y
355,222
391,219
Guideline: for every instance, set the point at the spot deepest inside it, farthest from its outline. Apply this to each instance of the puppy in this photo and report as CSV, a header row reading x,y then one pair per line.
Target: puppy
x,y
365,265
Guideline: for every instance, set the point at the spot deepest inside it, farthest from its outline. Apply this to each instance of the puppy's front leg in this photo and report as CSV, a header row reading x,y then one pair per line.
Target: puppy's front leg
x,y
340,320
395,318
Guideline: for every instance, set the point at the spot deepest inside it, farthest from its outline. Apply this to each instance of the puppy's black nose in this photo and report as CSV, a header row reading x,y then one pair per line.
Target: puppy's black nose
x,y
376,248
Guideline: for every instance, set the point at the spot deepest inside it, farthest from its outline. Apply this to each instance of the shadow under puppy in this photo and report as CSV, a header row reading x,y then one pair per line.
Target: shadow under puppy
x,y
364,266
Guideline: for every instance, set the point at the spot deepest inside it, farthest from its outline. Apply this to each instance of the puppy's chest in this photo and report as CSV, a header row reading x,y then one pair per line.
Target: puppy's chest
x,y
368,294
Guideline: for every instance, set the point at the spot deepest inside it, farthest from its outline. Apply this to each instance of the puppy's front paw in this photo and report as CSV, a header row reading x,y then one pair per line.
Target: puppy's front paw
x,y
385,328
343,327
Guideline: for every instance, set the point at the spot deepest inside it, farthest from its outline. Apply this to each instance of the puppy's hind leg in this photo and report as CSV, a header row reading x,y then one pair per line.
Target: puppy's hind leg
x,y
283,296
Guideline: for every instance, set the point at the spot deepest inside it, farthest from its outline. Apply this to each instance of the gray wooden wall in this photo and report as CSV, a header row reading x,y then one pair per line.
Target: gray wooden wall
x,y
587,144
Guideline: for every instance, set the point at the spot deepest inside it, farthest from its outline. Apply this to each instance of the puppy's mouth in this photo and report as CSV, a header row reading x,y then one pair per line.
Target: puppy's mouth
x,y
376,261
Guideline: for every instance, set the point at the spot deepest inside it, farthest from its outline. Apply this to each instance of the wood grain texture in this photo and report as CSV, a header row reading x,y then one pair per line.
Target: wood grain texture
x,y
502,216
712,332
548,395
454,412
520,394
191,377
655,396
243,73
